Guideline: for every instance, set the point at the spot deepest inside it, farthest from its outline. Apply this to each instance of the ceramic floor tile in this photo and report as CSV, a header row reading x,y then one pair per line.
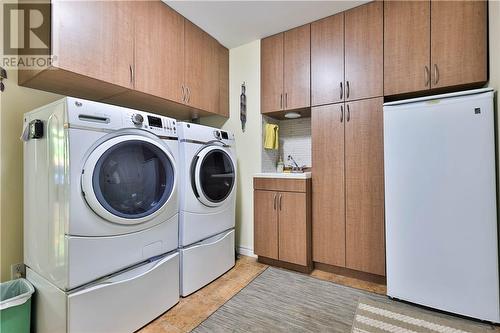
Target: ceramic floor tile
x,y
194,309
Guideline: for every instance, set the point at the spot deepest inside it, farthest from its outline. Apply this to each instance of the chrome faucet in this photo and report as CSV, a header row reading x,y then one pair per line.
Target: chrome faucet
x,y
295,168
290,158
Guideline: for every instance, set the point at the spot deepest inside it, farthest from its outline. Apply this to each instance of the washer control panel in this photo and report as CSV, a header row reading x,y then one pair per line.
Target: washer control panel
x,y
154,123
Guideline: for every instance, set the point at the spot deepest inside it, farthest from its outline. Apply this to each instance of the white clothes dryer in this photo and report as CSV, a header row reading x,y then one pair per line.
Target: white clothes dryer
x,y
208,179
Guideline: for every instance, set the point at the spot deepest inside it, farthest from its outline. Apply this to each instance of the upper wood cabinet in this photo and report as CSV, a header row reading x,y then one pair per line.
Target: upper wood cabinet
x,y
364,56
459,42
327,60
159,44
434,44
297,68
271,56
285,70
103,47
406,46
140,54
347,55
201,69
223,109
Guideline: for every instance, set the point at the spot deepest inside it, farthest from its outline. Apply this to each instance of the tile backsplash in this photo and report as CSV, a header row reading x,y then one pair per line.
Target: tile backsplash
x,y
295,140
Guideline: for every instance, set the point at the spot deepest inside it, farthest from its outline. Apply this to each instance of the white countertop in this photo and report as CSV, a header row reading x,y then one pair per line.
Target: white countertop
x,y
289,175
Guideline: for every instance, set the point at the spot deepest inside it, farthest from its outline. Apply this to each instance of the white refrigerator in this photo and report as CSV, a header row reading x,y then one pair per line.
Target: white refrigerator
x,y
440,201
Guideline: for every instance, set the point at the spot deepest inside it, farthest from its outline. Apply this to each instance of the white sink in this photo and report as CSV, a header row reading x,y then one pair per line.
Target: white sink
x,y
302,175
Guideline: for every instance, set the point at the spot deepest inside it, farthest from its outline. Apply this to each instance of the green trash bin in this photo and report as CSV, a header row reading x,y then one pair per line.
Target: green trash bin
x,y
15,306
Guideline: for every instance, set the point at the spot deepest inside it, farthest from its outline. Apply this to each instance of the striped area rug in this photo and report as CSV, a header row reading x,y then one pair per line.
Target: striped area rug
x,y
377,317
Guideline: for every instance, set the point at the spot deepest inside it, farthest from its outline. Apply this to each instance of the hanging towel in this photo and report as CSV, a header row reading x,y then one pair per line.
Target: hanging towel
x,y
271,140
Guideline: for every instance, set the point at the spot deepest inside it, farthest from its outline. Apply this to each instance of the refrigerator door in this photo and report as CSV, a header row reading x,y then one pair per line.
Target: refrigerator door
x,y
440,192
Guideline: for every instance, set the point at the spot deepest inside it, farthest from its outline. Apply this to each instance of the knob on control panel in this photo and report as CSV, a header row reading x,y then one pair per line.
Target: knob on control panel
x,y
137,119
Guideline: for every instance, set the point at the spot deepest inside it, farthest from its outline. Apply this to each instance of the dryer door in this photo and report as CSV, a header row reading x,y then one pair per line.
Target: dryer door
x,y
213,175
129,178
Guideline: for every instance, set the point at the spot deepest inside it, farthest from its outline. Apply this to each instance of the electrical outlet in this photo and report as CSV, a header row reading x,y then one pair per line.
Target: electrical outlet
x,y
17,271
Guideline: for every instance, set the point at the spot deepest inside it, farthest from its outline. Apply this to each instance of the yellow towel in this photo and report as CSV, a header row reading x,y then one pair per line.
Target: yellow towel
x,y
271,139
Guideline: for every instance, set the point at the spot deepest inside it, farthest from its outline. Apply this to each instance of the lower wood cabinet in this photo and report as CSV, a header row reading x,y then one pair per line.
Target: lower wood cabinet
x,y
348,185
282,221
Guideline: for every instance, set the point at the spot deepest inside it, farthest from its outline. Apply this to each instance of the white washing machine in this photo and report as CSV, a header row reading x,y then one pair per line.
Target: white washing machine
x,y
207,204
100,198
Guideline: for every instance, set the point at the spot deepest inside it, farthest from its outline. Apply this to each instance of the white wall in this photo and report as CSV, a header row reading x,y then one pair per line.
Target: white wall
x,y
14,103
244,66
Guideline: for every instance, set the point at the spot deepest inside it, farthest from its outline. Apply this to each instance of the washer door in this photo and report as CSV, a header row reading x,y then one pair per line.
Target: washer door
x,y
213,176
128,179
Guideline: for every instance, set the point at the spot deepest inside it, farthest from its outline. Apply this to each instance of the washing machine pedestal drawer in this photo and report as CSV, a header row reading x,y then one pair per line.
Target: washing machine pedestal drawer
x,y
203,262
121,303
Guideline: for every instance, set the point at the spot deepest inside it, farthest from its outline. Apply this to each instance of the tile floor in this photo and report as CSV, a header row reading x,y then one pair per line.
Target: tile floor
x,y
194,309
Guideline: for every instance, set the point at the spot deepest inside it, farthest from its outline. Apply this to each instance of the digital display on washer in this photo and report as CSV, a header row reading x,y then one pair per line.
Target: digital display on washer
x,y
224,135
154,121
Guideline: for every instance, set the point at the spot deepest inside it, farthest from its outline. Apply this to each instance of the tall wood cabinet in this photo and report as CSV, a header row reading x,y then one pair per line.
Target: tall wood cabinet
x,y
434,44
347,55
285,70
348,205
328,184
282,221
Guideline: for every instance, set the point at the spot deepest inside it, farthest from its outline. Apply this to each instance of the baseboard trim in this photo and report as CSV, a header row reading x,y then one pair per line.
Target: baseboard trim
x,y
246,251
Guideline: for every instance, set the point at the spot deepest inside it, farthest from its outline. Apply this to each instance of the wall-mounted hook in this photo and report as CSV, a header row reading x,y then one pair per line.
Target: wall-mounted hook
x,y
243,106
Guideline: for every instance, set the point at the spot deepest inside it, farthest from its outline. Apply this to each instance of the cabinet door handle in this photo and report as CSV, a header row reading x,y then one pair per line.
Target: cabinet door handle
x,y
280,201
341,90
348,113
427,76
436,74
188,94
274,201
286,100
348,89
341,113
281,101
131,74
183,98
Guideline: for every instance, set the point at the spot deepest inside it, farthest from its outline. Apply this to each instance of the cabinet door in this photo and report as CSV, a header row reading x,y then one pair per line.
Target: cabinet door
x,y
407,43
364,58
327,124
159,51
458,42
95,39
293,231
297,68
265,224
201,68
223,81
327,60
271,57
364,168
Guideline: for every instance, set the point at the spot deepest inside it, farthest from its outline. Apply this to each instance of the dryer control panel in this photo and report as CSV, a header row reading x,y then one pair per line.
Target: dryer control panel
x,y
154,123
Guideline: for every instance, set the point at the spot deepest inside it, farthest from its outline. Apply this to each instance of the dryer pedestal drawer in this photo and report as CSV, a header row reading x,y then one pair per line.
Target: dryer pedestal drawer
x,y
121,303
205,261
